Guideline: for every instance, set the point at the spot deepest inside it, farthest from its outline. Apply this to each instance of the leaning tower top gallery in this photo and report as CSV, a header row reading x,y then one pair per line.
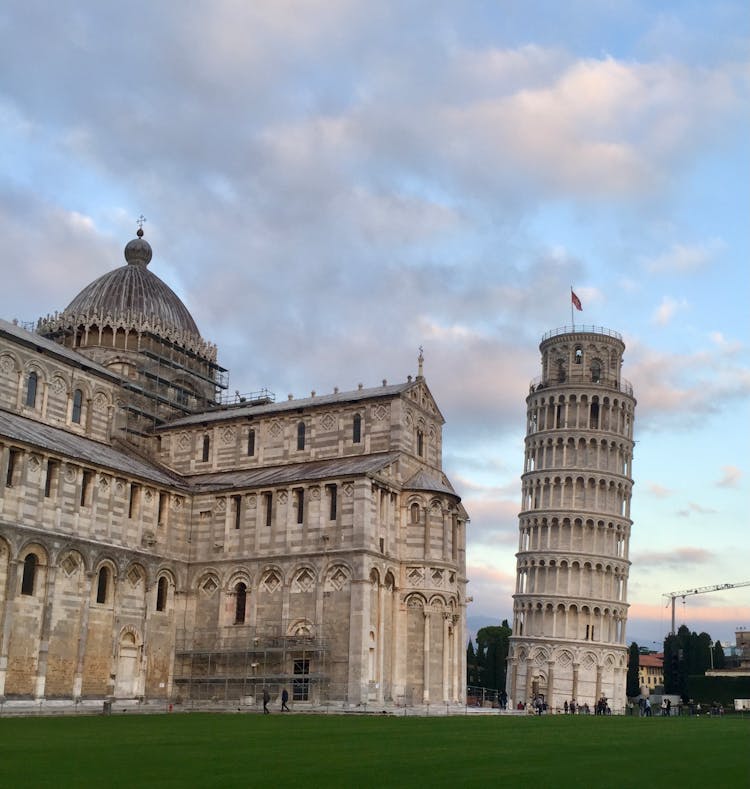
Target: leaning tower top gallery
x,y
570,603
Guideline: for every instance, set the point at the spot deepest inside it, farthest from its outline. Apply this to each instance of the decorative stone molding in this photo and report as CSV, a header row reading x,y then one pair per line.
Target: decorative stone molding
x,y
130,321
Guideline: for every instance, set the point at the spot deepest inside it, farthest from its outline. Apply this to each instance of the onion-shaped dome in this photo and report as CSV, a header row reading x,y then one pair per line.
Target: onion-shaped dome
x,y
133,289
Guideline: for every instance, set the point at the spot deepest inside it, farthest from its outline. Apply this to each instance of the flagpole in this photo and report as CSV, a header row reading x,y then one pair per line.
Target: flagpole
x,y
572,319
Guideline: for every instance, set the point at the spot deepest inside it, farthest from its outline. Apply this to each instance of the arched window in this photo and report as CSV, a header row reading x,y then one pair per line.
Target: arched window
x,y
250,442
102,585
77,406
579,354
301,436
420,443
240,603
300,501
161,594
596,371
206,448
31,385
29,574
356,429
414,509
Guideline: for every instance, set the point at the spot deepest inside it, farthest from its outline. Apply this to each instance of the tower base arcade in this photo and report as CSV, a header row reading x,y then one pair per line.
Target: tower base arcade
x,y
567,671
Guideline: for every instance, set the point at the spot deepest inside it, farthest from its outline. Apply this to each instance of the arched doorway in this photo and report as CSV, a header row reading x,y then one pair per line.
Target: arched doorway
x,y
128,668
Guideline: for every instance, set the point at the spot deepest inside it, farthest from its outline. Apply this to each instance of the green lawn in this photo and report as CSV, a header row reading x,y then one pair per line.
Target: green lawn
x,y
317,751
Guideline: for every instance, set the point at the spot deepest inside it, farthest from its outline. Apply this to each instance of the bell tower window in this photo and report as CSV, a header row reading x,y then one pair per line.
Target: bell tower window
x,y
596,371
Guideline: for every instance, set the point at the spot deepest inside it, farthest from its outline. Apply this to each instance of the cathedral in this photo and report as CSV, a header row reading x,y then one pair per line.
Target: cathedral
x,y
162,541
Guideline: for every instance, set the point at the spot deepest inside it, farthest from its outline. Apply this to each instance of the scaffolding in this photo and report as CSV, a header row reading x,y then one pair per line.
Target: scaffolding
x,y
165,387
234,665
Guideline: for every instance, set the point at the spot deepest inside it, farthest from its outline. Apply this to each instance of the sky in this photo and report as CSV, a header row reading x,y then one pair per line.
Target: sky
x,y
329,185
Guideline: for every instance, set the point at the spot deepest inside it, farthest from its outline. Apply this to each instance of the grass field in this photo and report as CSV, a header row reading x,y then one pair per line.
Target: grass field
x,y
204,750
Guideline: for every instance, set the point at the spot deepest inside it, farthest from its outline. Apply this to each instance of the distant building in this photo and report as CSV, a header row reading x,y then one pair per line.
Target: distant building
x,y
158,540
650,671
570,604
738,654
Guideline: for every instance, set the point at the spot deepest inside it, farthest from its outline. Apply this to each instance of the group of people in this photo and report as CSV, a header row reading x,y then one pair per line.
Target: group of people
x,y
267,700
583,709
539,706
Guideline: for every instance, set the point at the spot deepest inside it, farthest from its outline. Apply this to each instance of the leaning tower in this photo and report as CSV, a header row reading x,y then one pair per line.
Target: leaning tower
x,y
570,604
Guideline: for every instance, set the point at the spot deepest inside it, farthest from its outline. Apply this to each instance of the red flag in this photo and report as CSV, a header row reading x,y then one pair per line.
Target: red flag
x,y
576,301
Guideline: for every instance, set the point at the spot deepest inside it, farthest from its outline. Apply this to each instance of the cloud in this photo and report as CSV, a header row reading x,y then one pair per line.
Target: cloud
x,y
731,477
677,557
711,610
694,508
659,491
332,184
493,523
685,258
492,590
677,389
668,308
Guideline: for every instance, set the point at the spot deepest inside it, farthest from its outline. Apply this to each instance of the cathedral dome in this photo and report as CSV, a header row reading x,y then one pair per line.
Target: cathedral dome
x,y
133,290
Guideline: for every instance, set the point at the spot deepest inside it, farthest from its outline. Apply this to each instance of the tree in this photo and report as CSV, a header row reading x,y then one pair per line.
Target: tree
x,y
471,665
685,654
492,653
700,653
719,657
632,685
673,677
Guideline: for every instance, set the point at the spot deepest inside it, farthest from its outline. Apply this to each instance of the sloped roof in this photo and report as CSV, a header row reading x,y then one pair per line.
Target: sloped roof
x,y
78,448
295,472
235,412
31,339
430,481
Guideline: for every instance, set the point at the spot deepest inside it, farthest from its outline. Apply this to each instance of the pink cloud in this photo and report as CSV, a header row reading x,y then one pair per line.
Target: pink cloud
x,y
709,612
659,491
677,557
731,477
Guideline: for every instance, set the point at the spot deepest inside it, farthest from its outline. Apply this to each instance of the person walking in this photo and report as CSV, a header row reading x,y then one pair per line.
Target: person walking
x,y
284,699
266,699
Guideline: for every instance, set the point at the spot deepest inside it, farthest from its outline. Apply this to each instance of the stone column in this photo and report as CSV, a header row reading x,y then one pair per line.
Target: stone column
x,y
574,695
41,664
458,662
529,672
357,688
398,633
426,669
446,656
513,700
598,693
380,641
83,634
551,685
7,619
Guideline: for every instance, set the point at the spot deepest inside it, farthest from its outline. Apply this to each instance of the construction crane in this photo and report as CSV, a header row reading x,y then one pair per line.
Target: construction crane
x,y
699,590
